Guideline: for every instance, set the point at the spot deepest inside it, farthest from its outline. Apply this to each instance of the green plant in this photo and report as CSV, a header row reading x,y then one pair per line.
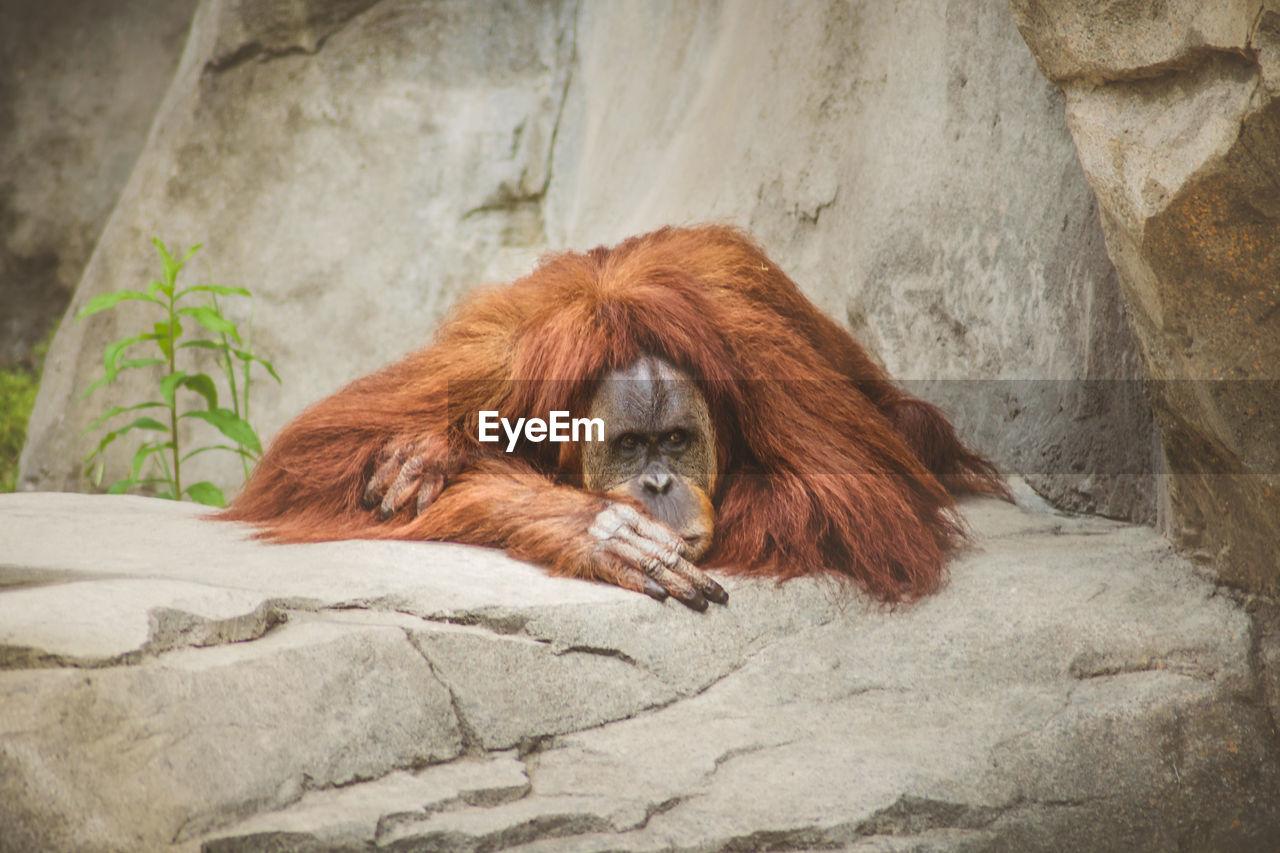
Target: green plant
x,y
161,458
17,396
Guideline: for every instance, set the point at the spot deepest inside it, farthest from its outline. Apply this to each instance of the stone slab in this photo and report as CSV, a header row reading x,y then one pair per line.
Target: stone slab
x,y
1075,685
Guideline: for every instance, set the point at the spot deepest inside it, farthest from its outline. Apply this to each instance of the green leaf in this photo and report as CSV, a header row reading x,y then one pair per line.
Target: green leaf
x,y
139,459
145,422
102,445
119,487
232,426
208,447
202,343
112,352
202,385
103,301
209,317
144,452
217,288
167,263
169,384
162,332
245,355
206,493
119,410
139,423
97,383
154,287
131,363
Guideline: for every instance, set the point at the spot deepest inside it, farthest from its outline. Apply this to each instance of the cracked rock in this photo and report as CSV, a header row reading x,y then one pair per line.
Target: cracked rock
x,y
1074,681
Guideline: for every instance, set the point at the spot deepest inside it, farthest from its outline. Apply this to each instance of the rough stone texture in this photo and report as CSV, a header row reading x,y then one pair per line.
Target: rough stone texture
x,y
361,165
1175,110
1075,686
80,81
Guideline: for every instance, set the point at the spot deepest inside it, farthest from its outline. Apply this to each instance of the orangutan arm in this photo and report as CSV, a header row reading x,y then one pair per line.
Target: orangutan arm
x,y
572,532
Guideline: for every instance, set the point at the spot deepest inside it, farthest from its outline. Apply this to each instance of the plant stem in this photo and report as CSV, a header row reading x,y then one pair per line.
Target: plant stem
x,y
248,362
173,407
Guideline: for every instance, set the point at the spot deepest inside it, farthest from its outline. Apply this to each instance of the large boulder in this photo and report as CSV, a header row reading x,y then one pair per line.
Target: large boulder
x,y
1175,110
168,683
360,166
80,82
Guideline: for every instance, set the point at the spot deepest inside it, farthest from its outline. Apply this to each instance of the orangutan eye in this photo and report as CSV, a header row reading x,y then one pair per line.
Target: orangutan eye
x,y
628,441
676,439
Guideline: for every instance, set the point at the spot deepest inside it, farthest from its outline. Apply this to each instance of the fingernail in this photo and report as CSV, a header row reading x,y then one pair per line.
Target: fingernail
x,y
695,602
653,590
716,593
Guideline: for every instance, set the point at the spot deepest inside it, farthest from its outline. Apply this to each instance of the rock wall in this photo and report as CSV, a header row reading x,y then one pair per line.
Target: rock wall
x,y
1175,110
79,84
360,165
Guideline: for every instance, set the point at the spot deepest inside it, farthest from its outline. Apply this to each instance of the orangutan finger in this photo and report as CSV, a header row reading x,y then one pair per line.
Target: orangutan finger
x,y
649,529
618,573
652,566
702,581
389,463
654,590
432,486
406,483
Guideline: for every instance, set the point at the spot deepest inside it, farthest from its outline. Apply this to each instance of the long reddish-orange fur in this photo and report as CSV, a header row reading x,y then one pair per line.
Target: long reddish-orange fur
x,y
824,465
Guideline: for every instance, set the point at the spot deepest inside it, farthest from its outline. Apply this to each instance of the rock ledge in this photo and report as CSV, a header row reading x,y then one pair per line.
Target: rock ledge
x,y
168,683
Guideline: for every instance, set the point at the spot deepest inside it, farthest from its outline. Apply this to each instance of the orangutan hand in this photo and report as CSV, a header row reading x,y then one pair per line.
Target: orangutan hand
x,y
637,553
408,468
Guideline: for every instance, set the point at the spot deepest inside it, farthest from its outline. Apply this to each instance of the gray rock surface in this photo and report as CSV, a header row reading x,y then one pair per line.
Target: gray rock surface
x,y
80,81
1175,110
361,165
168,683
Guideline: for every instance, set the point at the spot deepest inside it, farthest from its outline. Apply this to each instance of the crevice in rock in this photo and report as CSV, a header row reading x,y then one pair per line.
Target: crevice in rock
x,y
739,751
1193,61
810,216
502,623
471,743
598,651
544,827
265,52
540,828
509,199
570,60
798,838
1177,662
29,657
533,745
652,810
483,798
911,815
